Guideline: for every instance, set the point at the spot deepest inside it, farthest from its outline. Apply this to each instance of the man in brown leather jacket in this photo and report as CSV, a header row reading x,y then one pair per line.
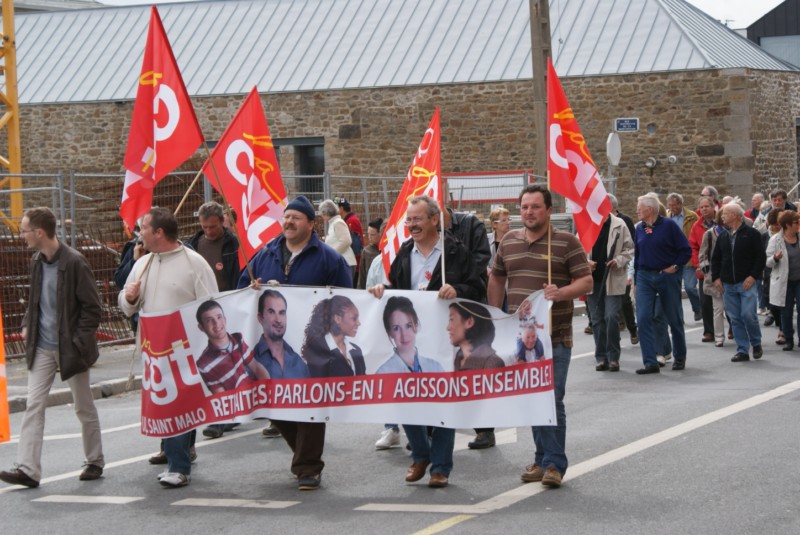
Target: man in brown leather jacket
x,y
59,328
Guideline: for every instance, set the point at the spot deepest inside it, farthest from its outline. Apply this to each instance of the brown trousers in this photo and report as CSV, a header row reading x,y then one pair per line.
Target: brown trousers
x,y
307,441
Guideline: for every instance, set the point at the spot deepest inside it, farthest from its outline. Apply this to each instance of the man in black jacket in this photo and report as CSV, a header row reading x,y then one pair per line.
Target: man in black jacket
x,y
418,266
737,263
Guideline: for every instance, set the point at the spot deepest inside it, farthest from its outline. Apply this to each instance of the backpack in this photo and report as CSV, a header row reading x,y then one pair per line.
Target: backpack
x,y
356,243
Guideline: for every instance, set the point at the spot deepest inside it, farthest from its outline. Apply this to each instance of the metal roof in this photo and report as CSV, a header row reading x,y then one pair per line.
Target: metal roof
x,y
227,46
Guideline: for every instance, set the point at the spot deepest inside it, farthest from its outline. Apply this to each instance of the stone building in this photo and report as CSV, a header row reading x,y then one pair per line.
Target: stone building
x,y
348,87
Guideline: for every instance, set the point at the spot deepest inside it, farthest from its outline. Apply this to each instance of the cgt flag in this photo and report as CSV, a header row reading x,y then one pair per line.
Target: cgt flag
x,y
164,129
249,177
572,171
423,178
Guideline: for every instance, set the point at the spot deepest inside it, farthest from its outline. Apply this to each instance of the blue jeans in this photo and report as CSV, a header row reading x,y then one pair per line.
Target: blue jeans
x,y
667,287
177,451
690,285
551,441
605,324
792,301
661,330
763,297
742,307
436,449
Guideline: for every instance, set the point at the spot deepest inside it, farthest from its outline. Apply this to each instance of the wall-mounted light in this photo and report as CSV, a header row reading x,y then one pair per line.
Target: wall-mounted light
x,y
651,162
672,159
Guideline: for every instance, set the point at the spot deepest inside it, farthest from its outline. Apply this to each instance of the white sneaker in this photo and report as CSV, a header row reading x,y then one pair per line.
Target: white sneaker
x,y
389,439
661,360
668,357
175,480
162,475
762,311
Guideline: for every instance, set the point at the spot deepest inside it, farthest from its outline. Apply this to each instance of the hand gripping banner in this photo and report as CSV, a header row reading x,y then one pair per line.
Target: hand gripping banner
x,y
330,355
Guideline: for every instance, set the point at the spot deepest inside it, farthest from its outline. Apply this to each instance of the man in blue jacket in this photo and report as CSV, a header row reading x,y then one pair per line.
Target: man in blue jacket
x,y
299,258
660,252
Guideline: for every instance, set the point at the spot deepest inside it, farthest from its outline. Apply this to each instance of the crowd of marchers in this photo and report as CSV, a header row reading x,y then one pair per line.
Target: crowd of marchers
x,y
734,264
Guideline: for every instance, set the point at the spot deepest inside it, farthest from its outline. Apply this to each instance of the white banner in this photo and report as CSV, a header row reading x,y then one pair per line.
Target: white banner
x,y
407,358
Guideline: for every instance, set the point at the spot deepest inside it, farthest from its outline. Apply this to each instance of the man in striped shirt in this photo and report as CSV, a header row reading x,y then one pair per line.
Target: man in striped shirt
x,y
522,261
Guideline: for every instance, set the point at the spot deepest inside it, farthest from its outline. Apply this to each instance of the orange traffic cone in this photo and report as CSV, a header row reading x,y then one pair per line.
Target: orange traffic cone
x,y
5,426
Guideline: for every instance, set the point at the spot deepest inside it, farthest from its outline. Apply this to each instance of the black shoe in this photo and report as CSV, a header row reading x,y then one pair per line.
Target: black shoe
x,y
484,439
678,365
769,321
788,346
230,427
18,477
740,357
91,472
214,431
650,368
309,482
601,366
758,352
698,316
271,432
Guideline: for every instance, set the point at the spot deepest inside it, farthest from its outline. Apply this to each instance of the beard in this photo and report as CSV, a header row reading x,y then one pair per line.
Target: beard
x,y
275,337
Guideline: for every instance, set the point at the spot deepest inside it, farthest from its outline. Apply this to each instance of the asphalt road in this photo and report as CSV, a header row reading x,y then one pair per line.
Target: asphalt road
x,y
712,449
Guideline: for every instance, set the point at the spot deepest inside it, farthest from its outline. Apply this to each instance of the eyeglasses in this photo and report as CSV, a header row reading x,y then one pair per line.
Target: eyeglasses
x,y
23,231
415,220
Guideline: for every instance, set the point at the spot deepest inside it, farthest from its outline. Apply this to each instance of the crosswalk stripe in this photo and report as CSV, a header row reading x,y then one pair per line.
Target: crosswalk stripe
x,y
74,498
257,504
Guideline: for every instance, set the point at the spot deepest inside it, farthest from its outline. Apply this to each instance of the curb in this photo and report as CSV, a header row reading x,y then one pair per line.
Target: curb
x,y
63,396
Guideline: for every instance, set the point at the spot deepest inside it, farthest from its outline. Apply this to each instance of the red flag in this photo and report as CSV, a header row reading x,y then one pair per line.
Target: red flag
x,y
423,178
572,171
164,129
249,176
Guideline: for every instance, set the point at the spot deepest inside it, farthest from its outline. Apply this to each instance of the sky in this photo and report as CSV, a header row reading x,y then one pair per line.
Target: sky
x,y
735,13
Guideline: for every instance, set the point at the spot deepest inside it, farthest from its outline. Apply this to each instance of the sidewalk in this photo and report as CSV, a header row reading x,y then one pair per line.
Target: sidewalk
x,y
109,377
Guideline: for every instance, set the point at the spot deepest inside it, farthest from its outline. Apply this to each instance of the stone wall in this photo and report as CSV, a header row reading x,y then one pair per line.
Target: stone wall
x,y
729,128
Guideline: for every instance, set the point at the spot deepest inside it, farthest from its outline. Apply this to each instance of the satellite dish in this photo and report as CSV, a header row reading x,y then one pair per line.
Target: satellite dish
x,y
613,148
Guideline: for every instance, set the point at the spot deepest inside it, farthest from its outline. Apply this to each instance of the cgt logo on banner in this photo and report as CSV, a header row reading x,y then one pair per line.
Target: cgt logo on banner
x,y
344,356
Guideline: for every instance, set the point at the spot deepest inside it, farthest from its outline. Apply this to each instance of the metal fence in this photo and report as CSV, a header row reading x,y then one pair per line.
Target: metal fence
x,y
87,208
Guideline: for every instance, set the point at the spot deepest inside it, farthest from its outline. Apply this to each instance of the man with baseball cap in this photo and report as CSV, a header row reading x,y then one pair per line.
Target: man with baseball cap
x,y
298,257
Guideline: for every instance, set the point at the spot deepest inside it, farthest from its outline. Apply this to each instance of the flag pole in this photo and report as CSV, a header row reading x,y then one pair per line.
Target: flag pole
x,y
228,211
441,241
188,190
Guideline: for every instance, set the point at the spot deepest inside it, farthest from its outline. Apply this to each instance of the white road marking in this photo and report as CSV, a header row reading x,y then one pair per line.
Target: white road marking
x,y
258,504
15,438
506,436
523,491
114,500
139,458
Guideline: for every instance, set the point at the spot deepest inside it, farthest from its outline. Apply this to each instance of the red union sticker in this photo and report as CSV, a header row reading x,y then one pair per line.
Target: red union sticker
x,y
218,267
